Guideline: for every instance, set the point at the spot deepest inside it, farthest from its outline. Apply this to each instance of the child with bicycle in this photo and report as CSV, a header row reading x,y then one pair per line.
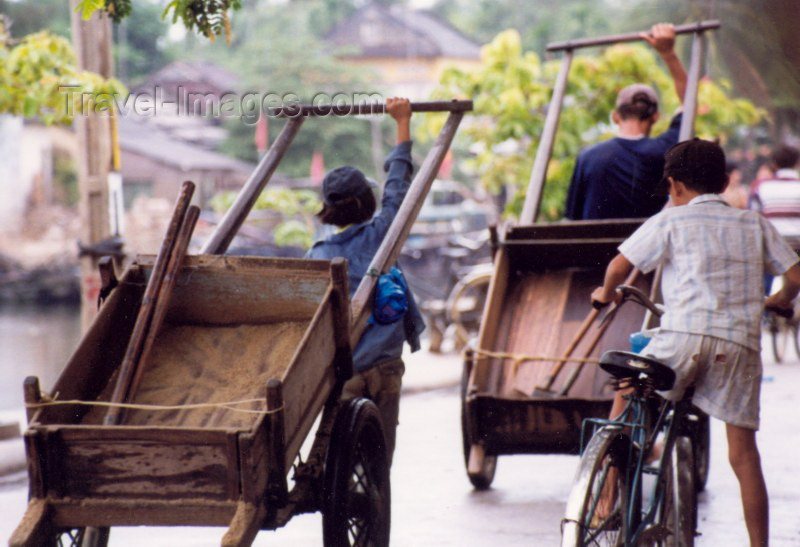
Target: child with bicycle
x,y
713,258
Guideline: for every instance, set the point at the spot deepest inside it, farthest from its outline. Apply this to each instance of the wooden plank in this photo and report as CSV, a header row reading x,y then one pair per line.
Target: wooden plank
x,y
490,322
545,297
140,470
35,528
310,378
163,298
244,525
141,327
100,512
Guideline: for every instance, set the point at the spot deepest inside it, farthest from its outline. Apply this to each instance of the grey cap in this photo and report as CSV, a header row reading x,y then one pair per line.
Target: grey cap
x,y
344,182
627,94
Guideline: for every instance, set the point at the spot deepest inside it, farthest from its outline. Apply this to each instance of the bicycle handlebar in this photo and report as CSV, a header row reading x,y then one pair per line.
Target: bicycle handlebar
x,y
788,313
629,292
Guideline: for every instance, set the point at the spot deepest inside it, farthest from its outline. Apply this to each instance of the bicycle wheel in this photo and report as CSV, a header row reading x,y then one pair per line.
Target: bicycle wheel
x,y
465,306
701,449
679,512
597,506
779,334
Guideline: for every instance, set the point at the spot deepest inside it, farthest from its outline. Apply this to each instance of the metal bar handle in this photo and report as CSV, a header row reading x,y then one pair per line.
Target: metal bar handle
x,y
304,110
629,37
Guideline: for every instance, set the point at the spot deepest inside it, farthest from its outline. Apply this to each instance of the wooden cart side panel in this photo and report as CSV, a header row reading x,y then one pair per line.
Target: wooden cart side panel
x,y
141,463
490,323
99,352
576,229
310,379
253,462
141,512
232,290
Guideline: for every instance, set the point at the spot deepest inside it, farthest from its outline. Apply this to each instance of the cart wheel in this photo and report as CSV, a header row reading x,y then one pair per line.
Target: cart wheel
x,y
82,537
356,497
483,479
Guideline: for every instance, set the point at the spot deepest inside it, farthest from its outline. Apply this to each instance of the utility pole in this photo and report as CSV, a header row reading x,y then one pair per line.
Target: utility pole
x,y
92,42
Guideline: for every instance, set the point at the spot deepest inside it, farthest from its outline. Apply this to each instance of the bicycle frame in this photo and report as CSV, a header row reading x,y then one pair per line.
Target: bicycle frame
x,y
634,420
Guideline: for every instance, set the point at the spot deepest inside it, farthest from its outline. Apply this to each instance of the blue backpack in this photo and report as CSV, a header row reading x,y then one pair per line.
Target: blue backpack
x,y
391,298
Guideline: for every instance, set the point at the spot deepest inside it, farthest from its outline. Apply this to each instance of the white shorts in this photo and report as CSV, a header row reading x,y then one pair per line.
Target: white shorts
x,y
726,376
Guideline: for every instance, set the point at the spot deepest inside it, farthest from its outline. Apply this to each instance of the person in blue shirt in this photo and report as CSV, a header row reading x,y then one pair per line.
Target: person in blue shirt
x,y
349,204
618,178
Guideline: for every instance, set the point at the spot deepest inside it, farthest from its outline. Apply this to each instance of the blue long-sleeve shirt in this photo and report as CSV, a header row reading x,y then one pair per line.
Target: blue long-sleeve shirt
x,y
358,244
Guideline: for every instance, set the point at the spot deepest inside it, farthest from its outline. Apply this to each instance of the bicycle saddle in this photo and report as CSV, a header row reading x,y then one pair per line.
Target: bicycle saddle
x,y
624,364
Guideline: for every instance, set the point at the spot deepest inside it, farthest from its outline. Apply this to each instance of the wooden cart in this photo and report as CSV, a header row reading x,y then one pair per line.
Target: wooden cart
x,y
532,378
249,353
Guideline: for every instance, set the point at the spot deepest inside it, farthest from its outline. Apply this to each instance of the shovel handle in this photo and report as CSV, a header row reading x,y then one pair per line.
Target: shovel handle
x,y
592,315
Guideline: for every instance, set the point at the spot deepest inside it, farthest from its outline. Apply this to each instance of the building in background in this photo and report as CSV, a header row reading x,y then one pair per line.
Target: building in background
x,y
406,49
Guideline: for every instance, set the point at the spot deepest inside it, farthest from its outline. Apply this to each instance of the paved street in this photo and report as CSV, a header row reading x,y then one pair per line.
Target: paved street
x,y
434,504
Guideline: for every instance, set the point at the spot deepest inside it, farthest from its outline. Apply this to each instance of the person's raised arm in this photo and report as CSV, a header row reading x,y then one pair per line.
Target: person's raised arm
x,y
400,110
616,273
662,38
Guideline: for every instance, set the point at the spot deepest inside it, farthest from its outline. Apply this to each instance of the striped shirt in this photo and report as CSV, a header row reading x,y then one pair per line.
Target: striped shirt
x,y
714,257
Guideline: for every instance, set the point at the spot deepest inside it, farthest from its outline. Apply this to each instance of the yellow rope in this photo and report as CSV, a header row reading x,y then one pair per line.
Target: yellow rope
x,y
231,405
518,358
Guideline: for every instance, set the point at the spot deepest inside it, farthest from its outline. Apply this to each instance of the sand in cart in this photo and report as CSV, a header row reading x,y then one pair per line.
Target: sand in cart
x,y
206,364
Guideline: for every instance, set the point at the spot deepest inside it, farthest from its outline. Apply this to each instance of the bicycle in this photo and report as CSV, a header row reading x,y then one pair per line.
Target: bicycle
x,y
781,326
610,502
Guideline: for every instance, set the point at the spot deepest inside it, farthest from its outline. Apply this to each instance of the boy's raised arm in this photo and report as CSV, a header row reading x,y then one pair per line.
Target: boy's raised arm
x,y
616,273
400,110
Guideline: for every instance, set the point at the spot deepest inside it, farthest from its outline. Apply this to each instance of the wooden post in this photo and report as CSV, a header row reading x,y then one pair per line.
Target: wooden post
x,y
533,197
32,395
141,328
277,489
235,216
92,43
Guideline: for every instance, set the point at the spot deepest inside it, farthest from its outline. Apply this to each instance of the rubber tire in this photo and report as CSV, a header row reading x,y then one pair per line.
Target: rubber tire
x,y
357,450
75,538
608,448
779,336
679,514
483,479
701,449
477,289
796,338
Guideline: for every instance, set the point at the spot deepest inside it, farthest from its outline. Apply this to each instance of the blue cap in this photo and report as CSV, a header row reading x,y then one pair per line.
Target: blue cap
x,y
343,182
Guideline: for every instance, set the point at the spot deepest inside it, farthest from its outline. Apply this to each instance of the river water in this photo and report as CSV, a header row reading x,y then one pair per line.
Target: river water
x,y
34,340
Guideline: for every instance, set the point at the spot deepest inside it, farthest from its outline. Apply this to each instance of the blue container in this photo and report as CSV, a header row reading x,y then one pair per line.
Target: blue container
x,y
639,341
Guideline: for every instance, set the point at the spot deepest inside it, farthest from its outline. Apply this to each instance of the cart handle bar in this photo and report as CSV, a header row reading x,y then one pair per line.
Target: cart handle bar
x,y
630,37
305,110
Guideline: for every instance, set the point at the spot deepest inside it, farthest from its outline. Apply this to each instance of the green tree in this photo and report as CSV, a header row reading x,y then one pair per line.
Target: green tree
x,y
538,22
34,74
756,48
274,52
140,45
511,91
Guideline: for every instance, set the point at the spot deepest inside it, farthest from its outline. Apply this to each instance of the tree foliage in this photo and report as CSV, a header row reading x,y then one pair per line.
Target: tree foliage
x,y
35,73
210,18
511,91
297,207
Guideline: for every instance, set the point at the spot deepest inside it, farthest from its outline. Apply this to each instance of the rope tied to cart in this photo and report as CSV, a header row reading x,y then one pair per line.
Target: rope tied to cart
x,y
229,405
518,358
